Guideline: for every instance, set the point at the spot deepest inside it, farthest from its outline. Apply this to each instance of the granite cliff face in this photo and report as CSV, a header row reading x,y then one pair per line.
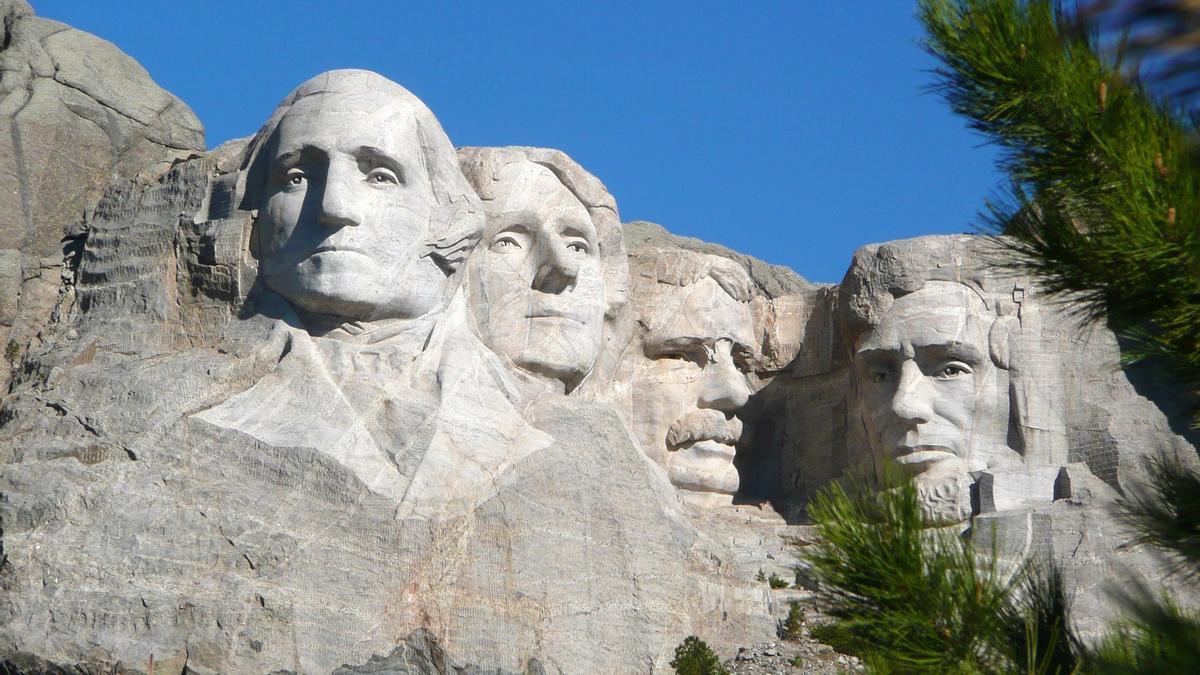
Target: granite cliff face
x,y
75,113
342,398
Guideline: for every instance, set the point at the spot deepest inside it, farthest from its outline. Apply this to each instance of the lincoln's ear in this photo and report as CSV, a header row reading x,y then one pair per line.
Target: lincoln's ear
x,y
1002,340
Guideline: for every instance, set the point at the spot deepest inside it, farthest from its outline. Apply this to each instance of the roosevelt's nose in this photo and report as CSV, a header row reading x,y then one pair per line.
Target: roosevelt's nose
x,y
912,401
339,203
724,386
557,269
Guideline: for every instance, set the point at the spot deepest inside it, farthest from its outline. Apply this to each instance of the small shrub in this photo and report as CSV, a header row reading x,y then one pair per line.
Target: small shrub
x,y
789,628
761,578
777,581
11,351
797,661
693,656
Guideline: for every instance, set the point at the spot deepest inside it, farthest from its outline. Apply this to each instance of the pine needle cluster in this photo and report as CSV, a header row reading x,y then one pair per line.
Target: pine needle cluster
x,y
693,656
1105,202
906,598
1156,635
1105,210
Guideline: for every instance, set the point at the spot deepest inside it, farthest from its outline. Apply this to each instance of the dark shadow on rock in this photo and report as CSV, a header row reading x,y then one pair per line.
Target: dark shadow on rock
x,y
1153,381
421,654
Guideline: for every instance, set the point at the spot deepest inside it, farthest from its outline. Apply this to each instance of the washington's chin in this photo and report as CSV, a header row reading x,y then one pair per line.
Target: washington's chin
x,y
704,467
364,304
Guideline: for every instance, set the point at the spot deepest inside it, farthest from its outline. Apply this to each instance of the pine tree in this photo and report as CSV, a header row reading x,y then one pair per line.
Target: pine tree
x,y
1105,181
693,656
1105,209
905,598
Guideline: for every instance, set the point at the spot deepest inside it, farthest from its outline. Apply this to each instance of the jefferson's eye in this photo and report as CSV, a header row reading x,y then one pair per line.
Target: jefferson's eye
x,y
382,176
952,370
294,177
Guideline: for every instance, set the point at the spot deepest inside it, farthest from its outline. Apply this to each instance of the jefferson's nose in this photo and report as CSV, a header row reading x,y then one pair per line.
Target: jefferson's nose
x,y
724,387
557,269
339,204
912,401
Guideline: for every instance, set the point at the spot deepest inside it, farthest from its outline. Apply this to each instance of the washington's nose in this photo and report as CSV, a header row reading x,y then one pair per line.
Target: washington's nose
x,y
912,400
724,387
339,208
557,269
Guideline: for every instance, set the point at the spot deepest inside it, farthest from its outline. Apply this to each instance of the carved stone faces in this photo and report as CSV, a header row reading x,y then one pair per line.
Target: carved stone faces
x,y
346,200
690,380
932,398
538,286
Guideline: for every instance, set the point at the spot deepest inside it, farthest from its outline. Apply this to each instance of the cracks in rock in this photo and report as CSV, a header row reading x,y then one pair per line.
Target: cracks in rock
x,y
10,22
63,411
245,556
19,157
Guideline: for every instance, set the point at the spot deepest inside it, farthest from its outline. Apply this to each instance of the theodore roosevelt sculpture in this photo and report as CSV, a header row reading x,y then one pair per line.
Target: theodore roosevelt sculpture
x,y
687,367
551,267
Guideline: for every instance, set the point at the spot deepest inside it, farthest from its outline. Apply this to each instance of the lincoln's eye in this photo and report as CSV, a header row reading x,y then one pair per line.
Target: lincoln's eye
x,y
952,370
382,176
879,376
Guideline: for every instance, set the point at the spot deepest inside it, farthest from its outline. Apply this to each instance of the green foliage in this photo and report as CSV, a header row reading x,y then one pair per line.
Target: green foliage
x,y
1155,637
796,661
1162,34
1166,514
777,581
909,599
792,627
761,577
1105,181
1106,209
693,656
1035,632
12,351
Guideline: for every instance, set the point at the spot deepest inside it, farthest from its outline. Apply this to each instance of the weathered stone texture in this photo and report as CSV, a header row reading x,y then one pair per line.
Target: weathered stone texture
x,y
454,412
74,113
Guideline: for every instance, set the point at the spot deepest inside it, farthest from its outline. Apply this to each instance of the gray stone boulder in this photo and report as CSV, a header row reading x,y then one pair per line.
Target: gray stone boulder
x,y
75,112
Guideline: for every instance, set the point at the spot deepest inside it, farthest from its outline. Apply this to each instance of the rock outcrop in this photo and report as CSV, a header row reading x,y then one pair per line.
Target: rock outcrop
x,y
75,113
340,398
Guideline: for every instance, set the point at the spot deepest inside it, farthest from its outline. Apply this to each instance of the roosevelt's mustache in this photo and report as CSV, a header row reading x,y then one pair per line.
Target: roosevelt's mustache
x,y
704,425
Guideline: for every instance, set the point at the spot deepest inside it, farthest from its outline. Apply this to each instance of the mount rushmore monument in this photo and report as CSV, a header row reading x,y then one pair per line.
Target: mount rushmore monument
x,y
316,400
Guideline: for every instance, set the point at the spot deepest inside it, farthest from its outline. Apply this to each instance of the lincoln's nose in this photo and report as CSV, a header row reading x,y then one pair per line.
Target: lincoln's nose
x,y
912,401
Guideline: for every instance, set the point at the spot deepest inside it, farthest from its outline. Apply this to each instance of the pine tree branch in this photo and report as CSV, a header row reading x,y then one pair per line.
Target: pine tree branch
x,y
1106,182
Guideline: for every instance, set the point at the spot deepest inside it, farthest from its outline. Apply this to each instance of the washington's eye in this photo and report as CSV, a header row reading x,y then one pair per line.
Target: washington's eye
x,y
578,248
294,177
952,370
505,244
382,176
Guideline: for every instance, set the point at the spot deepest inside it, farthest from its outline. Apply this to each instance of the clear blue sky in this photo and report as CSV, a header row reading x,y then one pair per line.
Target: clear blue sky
x,y
792,131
